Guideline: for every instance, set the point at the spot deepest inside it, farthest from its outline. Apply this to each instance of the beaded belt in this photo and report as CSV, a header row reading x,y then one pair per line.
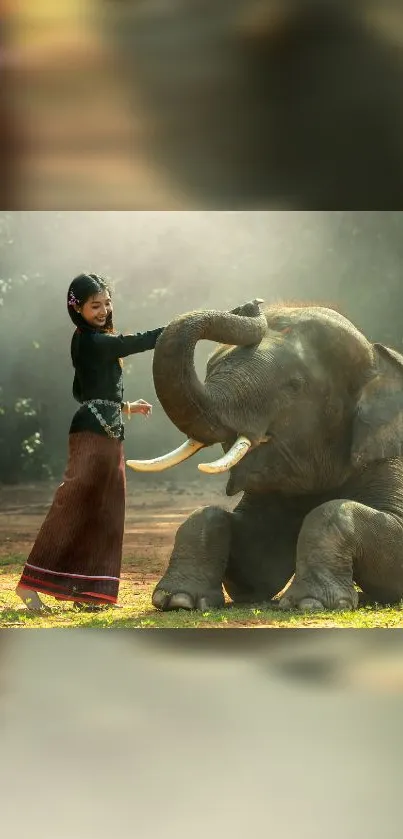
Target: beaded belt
x,y
114,429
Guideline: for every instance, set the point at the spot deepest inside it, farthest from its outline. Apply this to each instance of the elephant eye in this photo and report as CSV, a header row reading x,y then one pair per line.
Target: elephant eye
x,y
295,383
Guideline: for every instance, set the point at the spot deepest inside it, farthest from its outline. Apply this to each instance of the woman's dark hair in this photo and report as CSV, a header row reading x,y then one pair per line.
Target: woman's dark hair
x,y
80,290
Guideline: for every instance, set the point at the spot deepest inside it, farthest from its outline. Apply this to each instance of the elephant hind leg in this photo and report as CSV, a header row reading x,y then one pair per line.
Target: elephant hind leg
x,y
196,569
378,564
344,541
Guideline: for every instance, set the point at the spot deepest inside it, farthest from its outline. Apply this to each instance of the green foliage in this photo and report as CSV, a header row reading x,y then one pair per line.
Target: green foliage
x,y
23,453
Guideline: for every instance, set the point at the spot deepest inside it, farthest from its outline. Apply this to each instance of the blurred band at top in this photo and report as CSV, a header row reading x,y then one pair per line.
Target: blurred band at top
x,y
172,104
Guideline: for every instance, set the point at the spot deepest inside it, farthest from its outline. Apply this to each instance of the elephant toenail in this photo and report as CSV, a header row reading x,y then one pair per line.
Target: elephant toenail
x,y
181,600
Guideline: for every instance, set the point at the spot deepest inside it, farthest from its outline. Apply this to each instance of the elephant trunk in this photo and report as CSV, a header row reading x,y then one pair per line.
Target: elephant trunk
x,y
185,399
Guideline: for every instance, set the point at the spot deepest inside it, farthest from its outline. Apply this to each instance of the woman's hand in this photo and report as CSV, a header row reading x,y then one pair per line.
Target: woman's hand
x,y
140,407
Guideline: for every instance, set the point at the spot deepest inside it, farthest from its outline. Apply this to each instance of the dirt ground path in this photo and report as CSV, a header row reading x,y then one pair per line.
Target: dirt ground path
x,y
152,518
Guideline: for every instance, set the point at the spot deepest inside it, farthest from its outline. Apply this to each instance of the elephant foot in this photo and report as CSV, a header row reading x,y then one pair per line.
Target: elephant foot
x,y
317,597
169,601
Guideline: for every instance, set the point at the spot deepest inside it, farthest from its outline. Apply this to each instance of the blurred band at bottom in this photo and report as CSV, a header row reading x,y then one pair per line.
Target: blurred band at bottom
x,y
170,733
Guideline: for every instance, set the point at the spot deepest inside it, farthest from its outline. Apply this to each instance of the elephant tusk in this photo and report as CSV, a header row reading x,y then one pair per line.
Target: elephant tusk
x,y
166,461
232,456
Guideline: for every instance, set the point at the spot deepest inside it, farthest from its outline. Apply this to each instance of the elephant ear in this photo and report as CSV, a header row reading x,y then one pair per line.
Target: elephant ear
x,y
378,421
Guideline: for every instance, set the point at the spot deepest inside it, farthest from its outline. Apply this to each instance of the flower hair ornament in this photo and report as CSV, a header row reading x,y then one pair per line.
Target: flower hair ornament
x,y
72,301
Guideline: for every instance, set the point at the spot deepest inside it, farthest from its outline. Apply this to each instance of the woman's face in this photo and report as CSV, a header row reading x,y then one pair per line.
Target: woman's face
x,y
96,309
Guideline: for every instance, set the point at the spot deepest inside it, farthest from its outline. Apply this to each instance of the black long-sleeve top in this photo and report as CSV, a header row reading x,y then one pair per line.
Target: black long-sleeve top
x,y
99,375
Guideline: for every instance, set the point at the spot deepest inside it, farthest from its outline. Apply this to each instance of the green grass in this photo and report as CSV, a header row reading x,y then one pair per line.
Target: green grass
x,y
137,611
7,561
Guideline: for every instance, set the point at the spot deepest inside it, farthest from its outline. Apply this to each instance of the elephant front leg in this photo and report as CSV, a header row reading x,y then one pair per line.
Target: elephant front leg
x,y
197,565
339,542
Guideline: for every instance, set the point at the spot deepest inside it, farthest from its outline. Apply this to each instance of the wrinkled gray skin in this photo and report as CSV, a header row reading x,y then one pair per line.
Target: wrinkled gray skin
x,y
323,497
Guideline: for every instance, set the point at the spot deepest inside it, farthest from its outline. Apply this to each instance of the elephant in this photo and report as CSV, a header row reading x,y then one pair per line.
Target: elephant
x,y
309,414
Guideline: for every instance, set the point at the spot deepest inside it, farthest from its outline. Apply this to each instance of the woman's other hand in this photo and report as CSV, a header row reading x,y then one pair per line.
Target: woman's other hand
x,y
141,407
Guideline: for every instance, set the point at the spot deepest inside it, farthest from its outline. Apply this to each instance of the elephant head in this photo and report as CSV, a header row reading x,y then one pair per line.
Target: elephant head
x,y
296,395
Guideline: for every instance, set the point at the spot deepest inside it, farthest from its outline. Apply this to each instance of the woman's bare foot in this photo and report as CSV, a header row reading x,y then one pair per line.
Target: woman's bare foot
x,y
31,599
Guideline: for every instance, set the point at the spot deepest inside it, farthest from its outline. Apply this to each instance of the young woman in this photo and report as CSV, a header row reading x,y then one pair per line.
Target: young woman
x,y
78,552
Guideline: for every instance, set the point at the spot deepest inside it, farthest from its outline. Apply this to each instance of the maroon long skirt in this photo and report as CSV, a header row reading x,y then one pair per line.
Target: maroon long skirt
x,y
78,552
